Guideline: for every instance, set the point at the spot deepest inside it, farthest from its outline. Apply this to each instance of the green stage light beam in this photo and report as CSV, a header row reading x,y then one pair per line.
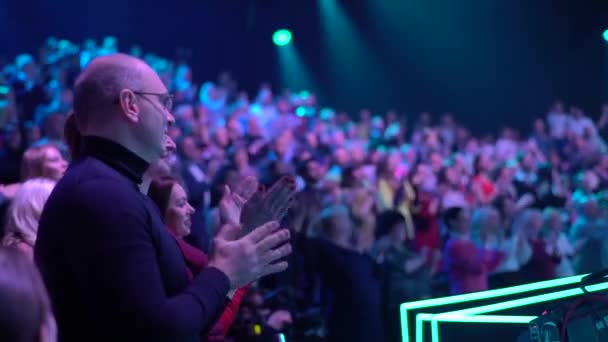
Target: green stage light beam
x,y
478,296
606,35
295,75
353,64
282,37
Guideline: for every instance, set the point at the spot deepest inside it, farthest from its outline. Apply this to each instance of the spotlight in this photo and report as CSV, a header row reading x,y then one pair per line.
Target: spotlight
x,y
606,35
281,37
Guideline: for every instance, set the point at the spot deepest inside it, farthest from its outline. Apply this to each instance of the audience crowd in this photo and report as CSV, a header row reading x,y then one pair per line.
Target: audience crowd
x,y
389,207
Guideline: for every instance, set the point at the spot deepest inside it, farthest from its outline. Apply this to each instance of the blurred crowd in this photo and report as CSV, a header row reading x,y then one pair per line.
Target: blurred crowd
x,y
390,207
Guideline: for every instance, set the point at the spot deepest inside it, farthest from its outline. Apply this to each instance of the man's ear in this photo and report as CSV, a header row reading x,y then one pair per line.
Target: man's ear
x,y
129,106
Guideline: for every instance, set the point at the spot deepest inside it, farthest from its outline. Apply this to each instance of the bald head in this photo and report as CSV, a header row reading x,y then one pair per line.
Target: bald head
x,y
98,87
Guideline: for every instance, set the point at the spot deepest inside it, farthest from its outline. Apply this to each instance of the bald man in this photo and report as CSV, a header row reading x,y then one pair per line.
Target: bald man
x,y
112,270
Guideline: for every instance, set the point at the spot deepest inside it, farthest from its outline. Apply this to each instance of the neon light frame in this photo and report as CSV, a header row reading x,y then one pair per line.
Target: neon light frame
x,y
476,296
436,318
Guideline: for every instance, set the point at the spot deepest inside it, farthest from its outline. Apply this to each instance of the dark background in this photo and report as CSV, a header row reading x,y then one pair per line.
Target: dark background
x,y
490,62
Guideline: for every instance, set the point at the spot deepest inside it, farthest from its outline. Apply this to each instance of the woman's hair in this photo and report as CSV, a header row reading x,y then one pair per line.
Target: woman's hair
x,y
160,192
34,157
25,210
24,302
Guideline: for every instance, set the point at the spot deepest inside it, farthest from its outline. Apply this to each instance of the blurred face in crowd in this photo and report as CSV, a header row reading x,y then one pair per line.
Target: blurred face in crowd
x,y
241,157
365,116
312,140
179,213
535,223
462,223
234,128
338,138
553,221
190,150
539,126
452,176
436,162
283,106
590,181
507,173
528,162
492,222
221,137
485,163
253,127
54,165
283,142
357,153
184,112
391,116
341,156
315,170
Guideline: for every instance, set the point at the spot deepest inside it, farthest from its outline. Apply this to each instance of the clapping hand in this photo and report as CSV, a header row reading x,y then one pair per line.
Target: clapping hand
x,y
271,205
232,202
251,257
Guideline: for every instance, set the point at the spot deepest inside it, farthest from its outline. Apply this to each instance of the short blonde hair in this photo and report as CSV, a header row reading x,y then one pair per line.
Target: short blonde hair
x,y
34,157
25,210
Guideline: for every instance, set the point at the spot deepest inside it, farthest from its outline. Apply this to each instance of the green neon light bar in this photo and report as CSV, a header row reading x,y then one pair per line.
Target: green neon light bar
x,y
420,318
478,296
508,305
487,319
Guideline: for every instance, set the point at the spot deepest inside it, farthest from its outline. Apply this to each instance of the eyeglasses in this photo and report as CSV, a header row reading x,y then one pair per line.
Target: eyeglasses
x,y
165,99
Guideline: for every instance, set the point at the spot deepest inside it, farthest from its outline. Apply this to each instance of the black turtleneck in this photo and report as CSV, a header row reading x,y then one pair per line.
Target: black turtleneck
x,y
112,270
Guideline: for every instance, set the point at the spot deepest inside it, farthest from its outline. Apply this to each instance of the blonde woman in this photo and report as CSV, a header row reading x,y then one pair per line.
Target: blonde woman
x,y
24,213
43,161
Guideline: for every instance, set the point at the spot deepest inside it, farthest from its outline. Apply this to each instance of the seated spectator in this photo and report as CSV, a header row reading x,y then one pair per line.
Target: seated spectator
x,y
24,212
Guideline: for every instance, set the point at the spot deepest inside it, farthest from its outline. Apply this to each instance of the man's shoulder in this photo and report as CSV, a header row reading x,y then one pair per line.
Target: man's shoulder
x,y
91,181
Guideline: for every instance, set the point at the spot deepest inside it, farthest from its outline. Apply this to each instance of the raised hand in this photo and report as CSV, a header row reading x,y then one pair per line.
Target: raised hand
x,y
271,205
251,257
232,201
